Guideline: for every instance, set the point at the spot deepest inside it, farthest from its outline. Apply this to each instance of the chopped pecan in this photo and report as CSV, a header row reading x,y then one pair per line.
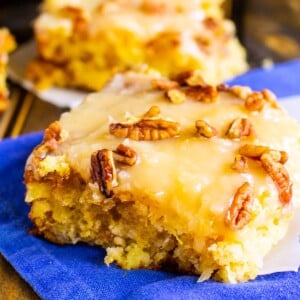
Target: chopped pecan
x,y
152,112
204,129
103,171
270,98
205,93
222,87
125,154
191,78
279,175
52,132
256,151
176,96
239,213
240,127
164,84
240,163
195,79
240,91
255,101
146,130
52,138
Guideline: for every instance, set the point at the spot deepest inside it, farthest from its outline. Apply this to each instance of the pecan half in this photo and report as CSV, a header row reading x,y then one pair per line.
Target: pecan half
x,y
204,129
125,154
164,84
240,127
279,175
190,78
256,151
240,164
146,130
255,101
239,213
176,96
103,171
207,93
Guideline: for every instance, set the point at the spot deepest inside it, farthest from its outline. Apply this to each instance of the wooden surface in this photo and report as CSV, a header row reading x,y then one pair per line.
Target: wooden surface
x,y
270,29
12,286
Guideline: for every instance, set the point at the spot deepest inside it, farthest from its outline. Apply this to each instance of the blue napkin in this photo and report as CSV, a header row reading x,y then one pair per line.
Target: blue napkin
x,y
78,272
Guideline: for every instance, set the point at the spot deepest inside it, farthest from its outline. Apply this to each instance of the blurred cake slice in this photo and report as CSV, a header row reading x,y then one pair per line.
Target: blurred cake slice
x,y
7,44
167,174
83,43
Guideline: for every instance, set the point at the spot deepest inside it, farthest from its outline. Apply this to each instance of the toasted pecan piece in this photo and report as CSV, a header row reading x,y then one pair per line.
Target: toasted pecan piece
x,y
240,163
146,129
255,101
239,213
207,93
204,129
125,154
103,171
164,84
279,175
240,127
256,151
176,96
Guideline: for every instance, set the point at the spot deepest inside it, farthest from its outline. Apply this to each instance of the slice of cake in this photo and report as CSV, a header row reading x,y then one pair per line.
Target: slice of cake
x,y
84,43
7,44
165,174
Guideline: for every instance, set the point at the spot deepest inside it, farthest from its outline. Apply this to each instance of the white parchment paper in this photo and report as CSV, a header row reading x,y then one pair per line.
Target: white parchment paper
x,y
283,257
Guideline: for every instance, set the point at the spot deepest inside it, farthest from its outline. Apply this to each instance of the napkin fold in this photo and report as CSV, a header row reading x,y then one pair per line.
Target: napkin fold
x,y
78,272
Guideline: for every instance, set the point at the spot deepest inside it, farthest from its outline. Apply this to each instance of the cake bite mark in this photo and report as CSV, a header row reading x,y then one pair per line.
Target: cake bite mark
x,y
204,129
240,210
240,127
103,171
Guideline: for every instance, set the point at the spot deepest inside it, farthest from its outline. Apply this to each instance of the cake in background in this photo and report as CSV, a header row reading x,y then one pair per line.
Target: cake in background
x,y
84,43
7,44
164,174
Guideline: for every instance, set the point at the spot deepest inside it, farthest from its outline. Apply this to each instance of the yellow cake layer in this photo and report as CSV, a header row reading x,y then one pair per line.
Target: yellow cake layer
x,y
177,204
83,44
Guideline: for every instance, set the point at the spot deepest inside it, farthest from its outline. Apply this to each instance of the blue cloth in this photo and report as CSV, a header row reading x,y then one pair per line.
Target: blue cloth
x,y
78,272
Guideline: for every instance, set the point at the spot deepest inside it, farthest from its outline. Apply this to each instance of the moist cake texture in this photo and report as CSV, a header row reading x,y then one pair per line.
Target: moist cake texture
x,y
84,43
168,174
7,44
